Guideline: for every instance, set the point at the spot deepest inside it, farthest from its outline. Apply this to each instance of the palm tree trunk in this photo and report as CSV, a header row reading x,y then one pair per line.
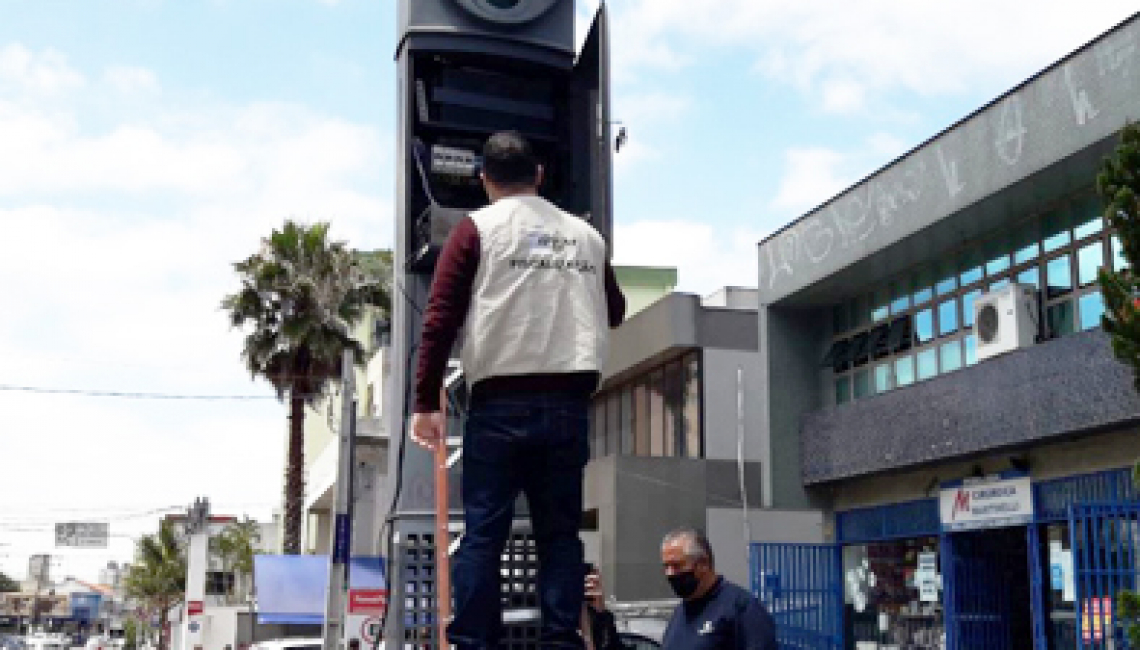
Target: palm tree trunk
x,y
294,476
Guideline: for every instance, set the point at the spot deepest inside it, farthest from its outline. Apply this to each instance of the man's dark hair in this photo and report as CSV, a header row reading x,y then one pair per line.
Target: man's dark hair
x,y
697,545
508,160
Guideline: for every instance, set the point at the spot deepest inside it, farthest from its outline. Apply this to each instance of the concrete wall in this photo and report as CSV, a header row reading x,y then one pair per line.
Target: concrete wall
x,y
788,388
1082,455
726,533
720,404
1049,390
644,285
1071,106
638,500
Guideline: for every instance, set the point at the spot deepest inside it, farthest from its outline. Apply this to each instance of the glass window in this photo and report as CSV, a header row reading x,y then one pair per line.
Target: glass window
x,y
927,363
1026,242
1118,260
598,426
1091,307
673,398
860,311
947,317
843,390
693,426
904,371
1031,275
970,344
920,285
924,325
879,305
951,356
1004,282
862,383
626,398
968,299
900,297
656,413
947,279
997,254
839,318
1089,259
1055,230
1060,318
641,418
1087,216
883,377
970,266
1058,276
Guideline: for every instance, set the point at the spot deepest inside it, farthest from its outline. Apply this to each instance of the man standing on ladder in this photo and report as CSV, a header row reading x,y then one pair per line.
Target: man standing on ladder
x,y
535,294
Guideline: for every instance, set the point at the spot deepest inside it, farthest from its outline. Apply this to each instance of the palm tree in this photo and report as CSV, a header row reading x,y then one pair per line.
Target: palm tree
x,y
157,578
301,295
235,547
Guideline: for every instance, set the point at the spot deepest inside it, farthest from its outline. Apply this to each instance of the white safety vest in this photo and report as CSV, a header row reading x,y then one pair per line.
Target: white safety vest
x,y
538,302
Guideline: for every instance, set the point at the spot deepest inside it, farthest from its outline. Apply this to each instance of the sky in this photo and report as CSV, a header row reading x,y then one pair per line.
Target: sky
x,y
145,145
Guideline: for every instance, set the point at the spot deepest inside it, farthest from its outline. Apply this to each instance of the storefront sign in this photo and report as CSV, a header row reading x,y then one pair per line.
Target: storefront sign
x,y
926,577
987,503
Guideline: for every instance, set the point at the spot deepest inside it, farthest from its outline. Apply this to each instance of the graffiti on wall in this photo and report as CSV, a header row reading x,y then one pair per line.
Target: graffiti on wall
x,y
934,179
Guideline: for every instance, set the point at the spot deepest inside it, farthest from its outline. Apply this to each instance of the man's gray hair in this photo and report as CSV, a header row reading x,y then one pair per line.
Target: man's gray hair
x,y
697,545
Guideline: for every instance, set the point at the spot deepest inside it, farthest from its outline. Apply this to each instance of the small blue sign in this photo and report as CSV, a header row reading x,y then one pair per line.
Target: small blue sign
x,y
194,627
342,539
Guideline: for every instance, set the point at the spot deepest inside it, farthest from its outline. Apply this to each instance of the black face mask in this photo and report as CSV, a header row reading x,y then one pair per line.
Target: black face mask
x,y
684,583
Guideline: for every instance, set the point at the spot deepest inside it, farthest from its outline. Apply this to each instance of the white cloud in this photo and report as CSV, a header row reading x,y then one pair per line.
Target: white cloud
x,y
706,257
846,54
44,72
131,79
812,175
119,236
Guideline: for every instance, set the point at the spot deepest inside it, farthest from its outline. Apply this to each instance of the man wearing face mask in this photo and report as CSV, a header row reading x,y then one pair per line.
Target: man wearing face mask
x,y
714,614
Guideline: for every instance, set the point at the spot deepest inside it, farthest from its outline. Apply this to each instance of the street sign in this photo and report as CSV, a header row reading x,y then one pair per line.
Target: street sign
x,y
367,601
370,629
79,534
194,607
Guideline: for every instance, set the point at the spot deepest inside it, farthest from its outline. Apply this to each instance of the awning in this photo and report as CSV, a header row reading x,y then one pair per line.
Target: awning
x,y
291,588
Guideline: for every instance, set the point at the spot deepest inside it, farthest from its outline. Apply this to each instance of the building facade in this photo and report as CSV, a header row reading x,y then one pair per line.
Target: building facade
x,y
974,494
673,443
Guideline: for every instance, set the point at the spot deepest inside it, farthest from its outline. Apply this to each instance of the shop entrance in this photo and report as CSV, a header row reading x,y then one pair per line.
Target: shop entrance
x,y
991,592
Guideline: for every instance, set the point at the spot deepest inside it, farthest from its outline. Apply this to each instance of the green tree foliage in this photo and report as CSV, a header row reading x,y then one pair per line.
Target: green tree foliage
x,y
235,547
301,294
1118,185
157,578
8,584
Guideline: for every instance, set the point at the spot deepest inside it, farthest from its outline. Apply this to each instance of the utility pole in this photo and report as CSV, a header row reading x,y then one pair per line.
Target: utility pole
x,y
197,559
342,519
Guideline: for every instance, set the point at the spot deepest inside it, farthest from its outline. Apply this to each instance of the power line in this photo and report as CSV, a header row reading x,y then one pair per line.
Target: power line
x,y
128,395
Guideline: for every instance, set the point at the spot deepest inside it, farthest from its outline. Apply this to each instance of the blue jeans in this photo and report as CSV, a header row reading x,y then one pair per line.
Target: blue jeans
x,y
537,445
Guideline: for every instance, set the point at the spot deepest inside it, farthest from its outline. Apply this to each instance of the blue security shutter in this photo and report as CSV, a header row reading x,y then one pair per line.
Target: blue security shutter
x,y
802,587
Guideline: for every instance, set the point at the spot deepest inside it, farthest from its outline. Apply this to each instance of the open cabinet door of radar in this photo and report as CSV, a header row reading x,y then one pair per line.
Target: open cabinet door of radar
x,y
592,159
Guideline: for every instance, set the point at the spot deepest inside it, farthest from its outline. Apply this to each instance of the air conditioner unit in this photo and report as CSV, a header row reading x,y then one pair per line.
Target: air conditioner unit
x,y
1005,319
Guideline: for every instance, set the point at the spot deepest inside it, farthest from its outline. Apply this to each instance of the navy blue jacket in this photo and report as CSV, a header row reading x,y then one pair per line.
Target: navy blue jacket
x,y
726,618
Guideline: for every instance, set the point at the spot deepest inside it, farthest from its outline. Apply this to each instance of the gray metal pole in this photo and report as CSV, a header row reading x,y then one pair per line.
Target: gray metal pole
x,y
342,524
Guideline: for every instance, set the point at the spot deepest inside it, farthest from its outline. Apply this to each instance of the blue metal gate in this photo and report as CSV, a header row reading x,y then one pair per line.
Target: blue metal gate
x,y
802,586
990,593
1105,539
